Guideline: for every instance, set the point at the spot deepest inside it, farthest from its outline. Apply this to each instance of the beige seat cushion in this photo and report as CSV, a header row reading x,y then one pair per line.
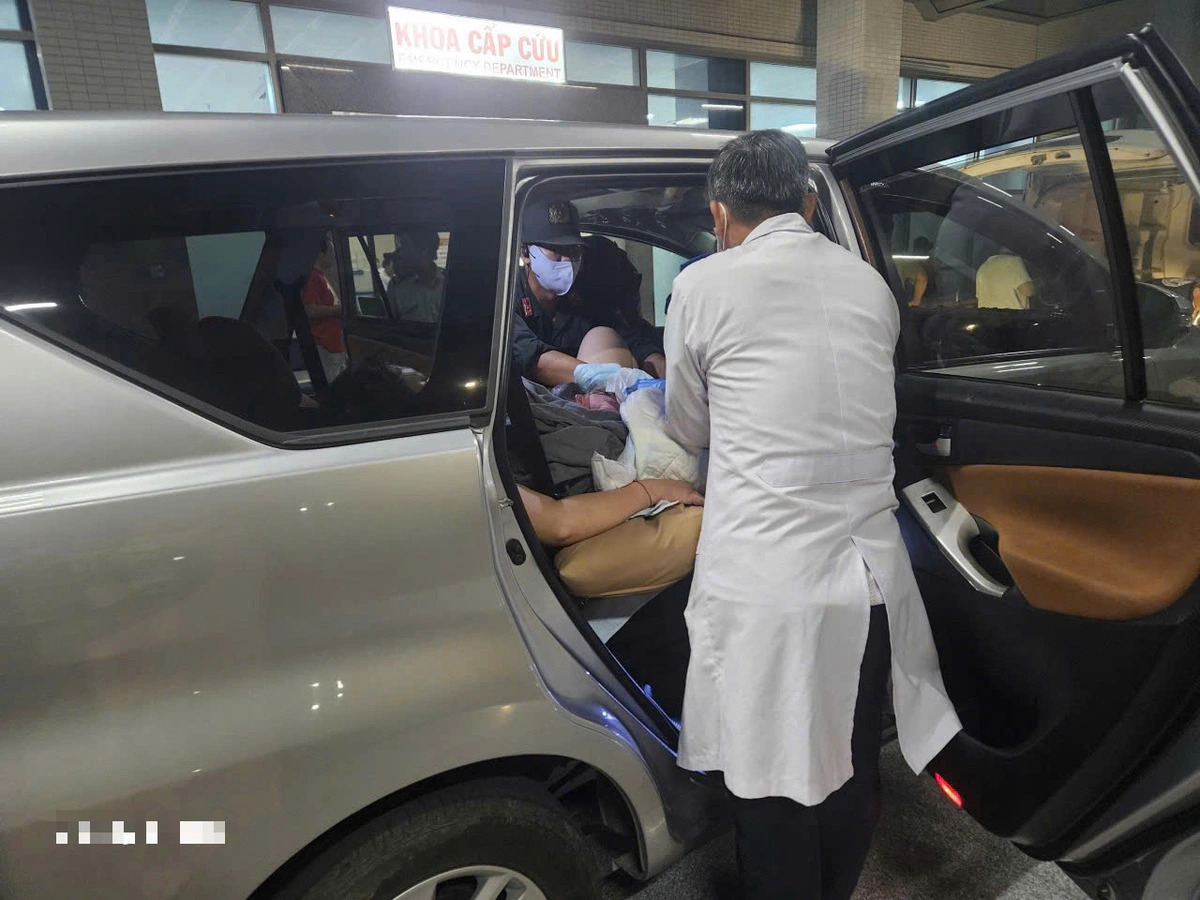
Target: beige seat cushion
x,y
637,556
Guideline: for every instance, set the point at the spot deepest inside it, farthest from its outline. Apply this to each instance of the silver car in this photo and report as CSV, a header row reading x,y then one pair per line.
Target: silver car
x,y
275,625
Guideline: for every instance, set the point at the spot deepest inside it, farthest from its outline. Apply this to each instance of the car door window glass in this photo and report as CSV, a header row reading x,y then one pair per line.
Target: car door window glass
x,y
1159,210
229,289
399,292
998,257
659,227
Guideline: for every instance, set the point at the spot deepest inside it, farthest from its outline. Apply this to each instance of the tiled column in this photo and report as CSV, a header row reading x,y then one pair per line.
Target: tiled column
x,y
858,64
96,54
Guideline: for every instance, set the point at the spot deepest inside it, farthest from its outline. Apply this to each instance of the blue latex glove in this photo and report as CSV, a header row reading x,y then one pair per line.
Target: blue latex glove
x,y
593,376
660,383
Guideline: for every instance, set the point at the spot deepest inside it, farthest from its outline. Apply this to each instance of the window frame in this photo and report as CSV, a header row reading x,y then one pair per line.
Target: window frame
x,y
1076,88
913,77
277,60
642,47
639,65
224,56
25,36
250,3
335,435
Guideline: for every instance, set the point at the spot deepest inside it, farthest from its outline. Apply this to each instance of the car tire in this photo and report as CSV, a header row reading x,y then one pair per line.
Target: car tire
x,y
449,844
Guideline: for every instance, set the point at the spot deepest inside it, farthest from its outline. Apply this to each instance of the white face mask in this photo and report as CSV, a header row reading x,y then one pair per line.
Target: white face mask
x,y
556,276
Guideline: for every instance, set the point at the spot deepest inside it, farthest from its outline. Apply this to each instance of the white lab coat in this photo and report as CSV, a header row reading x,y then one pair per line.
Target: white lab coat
x,y
779,359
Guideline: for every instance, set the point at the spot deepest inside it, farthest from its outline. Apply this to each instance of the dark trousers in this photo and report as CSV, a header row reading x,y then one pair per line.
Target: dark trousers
x,y
653,647
787,851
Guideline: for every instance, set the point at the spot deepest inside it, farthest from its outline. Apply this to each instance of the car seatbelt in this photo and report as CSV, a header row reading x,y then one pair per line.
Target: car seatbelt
x,y
524,437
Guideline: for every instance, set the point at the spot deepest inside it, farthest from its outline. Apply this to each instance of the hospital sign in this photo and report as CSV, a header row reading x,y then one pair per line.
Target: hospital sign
x,y
459,45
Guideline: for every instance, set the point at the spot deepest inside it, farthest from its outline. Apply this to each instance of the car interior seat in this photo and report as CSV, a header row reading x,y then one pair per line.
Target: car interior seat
x,y
227,363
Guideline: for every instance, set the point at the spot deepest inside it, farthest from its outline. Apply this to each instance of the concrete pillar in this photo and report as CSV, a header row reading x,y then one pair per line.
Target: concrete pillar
x,y
96,54
858,64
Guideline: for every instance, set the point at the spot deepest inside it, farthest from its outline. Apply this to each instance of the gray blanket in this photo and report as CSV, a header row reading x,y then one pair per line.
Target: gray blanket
x,y
570,434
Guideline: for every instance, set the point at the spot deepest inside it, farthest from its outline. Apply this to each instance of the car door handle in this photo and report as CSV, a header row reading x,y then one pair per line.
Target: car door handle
x,y
952,528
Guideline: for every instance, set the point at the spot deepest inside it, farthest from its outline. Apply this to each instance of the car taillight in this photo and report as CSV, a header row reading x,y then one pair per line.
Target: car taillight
x,y
948,790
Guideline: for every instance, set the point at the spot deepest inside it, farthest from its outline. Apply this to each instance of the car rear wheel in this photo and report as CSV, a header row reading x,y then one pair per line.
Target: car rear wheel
x,y
500,839
475,883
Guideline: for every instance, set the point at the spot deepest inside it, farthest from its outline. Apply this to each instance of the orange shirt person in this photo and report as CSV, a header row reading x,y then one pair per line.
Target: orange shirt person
x,y
325,314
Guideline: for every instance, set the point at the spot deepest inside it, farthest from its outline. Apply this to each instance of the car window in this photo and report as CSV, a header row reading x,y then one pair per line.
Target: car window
x,y
254,295
997,256
1158,208
657,267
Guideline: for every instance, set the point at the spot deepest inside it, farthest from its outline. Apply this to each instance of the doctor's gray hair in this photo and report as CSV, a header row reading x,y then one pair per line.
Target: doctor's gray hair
x,y
760,174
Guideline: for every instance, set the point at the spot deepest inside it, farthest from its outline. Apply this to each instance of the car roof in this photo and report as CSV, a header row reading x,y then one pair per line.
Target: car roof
x,y
40,144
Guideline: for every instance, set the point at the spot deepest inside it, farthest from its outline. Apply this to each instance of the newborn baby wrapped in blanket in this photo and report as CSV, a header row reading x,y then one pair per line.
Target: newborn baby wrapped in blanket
x,y
649,452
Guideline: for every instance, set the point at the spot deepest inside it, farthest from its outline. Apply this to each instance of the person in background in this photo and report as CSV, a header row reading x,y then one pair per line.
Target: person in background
x,y
388,273
418,285
779,361
561,335
324,312
559,523
1194,275
1003,282
926,282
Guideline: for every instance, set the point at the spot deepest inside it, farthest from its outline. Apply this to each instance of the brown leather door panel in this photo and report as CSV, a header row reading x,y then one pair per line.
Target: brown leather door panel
x,y
1086,542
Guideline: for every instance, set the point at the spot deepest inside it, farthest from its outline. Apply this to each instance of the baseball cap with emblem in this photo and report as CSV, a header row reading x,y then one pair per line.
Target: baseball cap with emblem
x,y
550,223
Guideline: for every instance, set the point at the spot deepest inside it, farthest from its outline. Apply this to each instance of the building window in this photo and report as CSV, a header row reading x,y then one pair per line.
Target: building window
x,y
796,118
16,79
329,35
710,92
217,24
695,112
930,89
784,82
914,92
20,77
601,64
10,16
209,84
704,74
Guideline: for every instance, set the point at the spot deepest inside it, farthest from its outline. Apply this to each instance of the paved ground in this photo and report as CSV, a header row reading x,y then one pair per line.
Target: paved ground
x,y
925,849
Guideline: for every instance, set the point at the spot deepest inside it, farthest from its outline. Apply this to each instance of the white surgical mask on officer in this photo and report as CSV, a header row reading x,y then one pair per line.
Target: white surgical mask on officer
x,y
553,275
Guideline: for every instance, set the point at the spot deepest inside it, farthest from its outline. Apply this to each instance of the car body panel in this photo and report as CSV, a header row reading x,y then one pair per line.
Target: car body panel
x,y
200,626
246,634
205,627
41,144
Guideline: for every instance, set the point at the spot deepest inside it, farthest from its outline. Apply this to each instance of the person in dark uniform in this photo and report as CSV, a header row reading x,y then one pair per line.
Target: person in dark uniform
x,y
577,304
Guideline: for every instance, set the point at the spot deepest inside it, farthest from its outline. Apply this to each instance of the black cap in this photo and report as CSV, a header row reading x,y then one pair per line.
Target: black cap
x,y
550,223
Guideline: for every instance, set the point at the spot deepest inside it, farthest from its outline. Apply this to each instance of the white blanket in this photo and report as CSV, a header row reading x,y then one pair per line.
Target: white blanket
x,y
648,453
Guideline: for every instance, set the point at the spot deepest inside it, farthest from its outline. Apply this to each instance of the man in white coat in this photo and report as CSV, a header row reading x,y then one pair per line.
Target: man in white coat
x,y
779,360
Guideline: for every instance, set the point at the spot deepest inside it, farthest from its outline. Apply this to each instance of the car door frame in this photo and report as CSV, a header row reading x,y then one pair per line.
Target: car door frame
x,y
1146,66
575,666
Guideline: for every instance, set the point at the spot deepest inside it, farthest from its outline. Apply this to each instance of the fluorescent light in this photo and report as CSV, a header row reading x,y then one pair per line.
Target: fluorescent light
x,y
318,68
907,256
22,307
692,120
736,107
